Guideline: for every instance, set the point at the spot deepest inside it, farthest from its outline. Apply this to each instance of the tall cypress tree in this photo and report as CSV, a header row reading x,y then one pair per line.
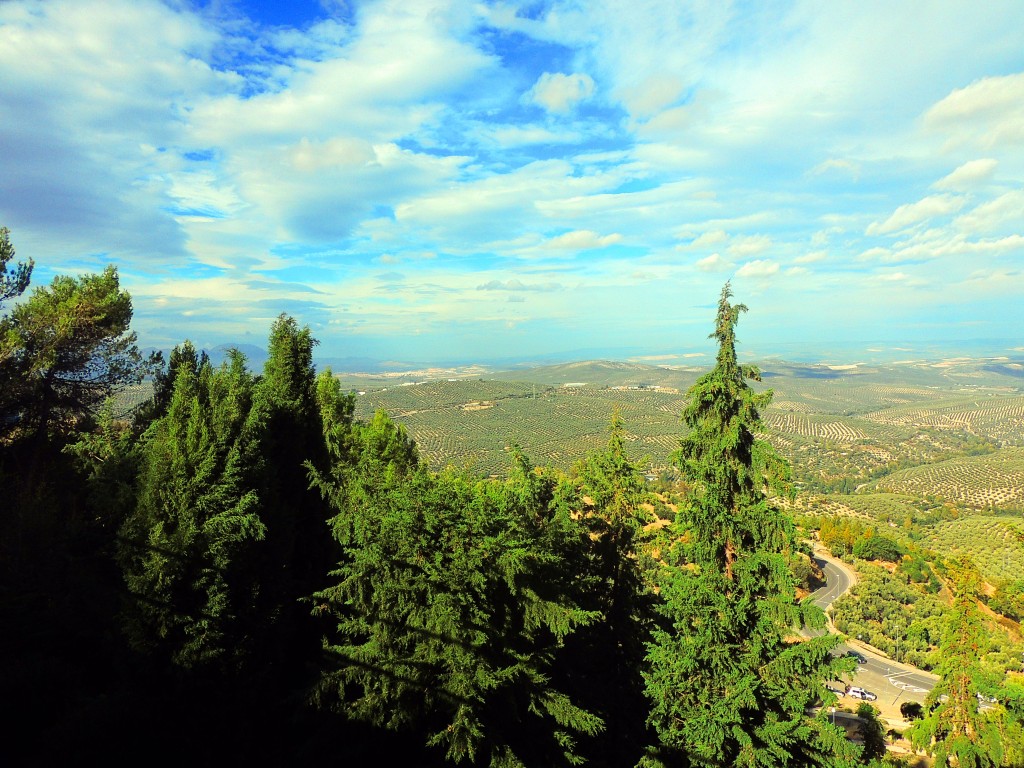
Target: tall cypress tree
x,y
186,544
284,435
730,684
958,730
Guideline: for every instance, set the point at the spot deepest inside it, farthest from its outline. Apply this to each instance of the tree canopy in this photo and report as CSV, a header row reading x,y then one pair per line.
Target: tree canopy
x,y
729,681
965,724
244,553
447,606
64,350
13,279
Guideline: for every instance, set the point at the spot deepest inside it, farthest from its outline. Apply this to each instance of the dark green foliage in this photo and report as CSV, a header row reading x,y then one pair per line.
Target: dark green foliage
x,y
602,662
877,547
13,282
911,710
227,536
917,570
63,352
872,732
957,730
806,573
728,682
285,434
1008,599
183,355
450,603
186,545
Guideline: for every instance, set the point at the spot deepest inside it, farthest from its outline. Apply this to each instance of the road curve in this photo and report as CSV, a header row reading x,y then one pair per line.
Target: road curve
x,y
890,680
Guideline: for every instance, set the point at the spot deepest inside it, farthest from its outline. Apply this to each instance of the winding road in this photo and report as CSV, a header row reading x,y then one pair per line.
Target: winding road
x,y
892,681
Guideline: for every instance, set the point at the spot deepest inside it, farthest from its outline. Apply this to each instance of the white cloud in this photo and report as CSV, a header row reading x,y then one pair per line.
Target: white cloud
x,y
877,253
810,258
580,240
758,268
517,285
500,206
989,111
968,175
847,167
748,245
338,152
913,213
560,93
709,238
893,277
713,263
1004,214
89,93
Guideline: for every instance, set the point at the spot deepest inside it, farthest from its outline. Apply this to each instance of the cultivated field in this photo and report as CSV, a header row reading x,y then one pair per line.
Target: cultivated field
x,y
994,543
841,429
474,423
992,480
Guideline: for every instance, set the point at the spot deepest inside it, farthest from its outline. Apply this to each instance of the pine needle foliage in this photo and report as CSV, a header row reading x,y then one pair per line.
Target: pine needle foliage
x,y
227,536
450,603
729,681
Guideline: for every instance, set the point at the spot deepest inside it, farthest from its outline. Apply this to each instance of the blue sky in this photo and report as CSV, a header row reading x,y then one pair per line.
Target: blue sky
x,y
432,181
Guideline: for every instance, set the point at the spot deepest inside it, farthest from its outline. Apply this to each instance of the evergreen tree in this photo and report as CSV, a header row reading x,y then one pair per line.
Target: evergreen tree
x,y
163,379
186,546
227,538
450,601
284,435
730,684
13,282
872,733
957,729
63,351
602,662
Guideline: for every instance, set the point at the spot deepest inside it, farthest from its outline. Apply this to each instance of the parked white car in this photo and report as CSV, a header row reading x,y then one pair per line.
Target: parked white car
x,y
859,693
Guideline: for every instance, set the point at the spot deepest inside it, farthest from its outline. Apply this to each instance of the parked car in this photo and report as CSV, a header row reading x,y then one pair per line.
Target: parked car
x,y
859,693
860,657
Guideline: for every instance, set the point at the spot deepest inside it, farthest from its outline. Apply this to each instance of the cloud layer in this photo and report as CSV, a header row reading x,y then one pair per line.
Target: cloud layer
x,y
450,179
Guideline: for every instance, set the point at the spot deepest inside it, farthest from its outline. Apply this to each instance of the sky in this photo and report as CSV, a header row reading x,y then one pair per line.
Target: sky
x,y
470,181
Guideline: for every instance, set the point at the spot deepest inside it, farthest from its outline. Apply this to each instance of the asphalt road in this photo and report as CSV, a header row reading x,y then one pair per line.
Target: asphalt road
x,y
891,681
837,581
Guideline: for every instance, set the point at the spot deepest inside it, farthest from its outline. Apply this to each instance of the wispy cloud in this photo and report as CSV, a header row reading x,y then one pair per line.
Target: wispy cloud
x,y
914,213
758,268
968,175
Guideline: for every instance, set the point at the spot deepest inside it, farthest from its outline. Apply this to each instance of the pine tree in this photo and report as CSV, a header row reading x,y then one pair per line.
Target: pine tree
x,y
730,684
13,282
63,351
284,435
